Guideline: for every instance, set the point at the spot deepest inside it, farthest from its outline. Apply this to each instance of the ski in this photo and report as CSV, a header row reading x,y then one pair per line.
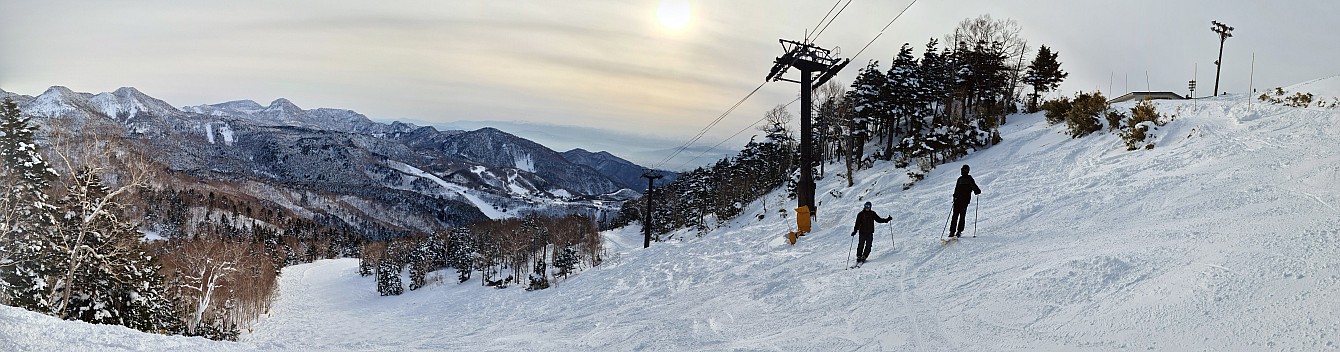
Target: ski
x,y
946,240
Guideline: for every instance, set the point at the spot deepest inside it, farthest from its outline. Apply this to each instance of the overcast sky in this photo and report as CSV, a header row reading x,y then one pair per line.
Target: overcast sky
x,y
607,64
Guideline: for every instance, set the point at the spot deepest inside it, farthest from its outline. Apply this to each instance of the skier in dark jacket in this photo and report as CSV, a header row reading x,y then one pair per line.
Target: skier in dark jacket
x,y
962,197
865,224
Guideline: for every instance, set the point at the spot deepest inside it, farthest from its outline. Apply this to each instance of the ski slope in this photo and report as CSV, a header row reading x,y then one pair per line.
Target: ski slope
x,y
1225,236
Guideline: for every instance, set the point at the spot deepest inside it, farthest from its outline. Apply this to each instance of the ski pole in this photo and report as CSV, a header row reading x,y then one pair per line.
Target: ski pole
x,y
974,215
892,243
849,249
946,228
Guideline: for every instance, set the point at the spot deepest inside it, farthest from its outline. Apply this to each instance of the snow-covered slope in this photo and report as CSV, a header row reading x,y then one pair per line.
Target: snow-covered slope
x,y
1322,88
1223,237
21,330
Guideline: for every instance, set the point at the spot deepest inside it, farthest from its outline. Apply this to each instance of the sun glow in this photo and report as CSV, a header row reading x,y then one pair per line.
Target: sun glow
x,y
674,14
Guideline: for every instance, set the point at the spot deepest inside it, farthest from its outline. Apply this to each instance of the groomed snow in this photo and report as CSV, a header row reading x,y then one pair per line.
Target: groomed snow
x,y
1223,237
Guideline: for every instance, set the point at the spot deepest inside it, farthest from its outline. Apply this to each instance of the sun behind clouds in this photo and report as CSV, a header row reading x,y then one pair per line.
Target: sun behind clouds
x,y
674,14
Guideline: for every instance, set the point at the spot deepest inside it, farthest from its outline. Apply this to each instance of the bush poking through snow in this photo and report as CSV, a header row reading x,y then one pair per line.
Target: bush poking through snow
x,y
1114,119
1143,117
1082,118
1056,110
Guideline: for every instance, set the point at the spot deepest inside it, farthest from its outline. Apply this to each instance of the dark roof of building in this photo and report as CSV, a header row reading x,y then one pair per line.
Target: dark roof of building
x,y
1146,95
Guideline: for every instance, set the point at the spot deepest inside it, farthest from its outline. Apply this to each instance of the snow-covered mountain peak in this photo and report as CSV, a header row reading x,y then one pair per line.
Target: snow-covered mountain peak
x,y
128,92
240,104
128,102
60,95
283,107
56,100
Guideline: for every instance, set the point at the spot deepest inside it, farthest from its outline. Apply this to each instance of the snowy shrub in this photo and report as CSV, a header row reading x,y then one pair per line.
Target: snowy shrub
x,y
924,166
1278,96
1056,109
1143,117
1082,119
1114,119
539,278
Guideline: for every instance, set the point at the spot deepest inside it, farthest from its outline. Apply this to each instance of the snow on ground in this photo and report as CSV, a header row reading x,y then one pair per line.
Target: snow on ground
x,y
227,134
209,132
465,192
21,330
1223,237
1322,88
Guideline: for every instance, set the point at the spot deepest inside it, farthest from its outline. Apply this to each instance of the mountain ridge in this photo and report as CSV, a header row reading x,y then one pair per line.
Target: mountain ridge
x,y
403,176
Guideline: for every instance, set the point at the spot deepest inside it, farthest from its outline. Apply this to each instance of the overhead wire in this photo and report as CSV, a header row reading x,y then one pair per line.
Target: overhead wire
x,y
710,125
830,22
881,31
737,133
703,132
822,20
815,36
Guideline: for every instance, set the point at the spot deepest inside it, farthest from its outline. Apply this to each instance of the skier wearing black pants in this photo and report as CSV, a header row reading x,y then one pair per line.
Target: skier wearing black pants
x,y
962,197
865,224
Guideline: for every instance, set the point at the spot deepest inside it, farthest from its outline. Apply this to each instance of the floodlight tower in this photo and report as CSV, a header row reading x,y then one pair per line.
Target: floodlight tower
x,y
811,61
1225,32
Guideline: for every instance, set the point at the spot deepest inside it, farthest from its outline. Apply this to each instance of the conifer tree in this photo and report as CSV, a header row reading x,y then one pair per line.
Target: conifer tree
x,y
903,87
25,212
388,278
1044,74
867,99
103,274
461,253
567,260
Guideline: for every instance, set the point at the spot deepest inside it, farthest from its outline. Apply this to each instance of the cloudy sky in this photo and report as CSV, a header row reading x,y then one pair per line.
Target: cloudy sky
x,y
607,64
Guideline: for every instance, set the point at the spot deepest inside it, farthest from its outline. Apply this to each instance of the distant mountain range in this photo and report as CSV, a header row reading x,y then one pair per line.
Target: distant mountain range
x,y
642,149
338,163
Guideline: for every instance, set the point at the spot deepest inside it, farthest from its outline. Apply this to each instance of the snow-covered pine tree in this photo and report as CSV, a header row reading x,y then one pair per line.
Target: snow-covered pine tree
x,y
460,253
567,260
25,212
417,262
388,278
539,276
904,87
868,104
104,275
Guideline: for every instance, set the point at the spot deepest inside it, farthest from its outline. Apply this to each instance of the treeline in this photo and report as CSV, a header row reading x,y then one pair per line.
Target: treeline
x,y
935,108
706,196
221,257
529,251
73,238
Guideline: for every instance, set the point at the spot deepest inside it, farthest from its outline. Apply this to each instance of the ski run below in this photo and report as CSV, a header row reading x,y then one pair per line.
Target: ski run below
x,y
1225,236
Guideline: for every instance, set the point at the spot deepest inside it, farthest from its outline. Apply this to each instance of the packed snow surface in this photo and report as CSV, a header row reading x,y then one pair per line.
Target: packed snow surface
x,y
1225,236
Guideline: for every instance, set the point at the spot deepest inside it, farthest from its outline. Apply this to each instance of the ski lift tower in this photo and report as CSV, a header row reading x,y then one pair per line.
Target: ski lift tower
x,y
817,65
651,176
